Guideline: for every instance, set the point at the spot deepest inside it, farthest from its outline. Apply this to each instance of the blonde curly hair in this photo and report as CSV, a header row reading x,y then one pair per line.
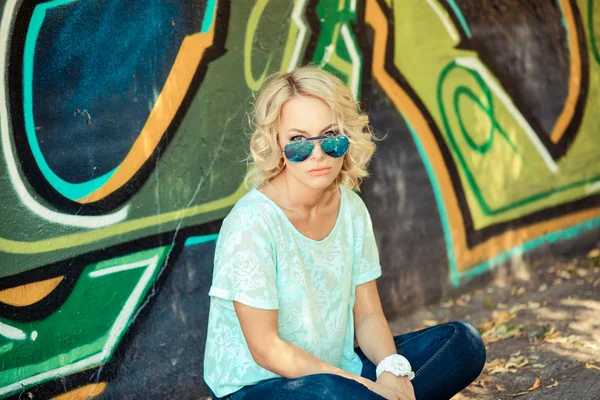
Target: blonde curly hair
x,y
266,156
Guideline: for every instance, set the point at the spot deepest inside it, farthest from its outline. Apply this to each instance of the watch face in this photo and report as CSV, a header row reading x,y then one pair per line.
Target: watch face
x,y
401,365
397,365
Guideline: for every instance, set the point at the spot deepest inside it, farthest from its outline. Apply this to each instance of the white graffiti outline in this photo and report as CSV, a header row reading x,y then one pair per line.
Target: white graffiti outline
x,y
445,20
10,332
297,18
118,268
355,78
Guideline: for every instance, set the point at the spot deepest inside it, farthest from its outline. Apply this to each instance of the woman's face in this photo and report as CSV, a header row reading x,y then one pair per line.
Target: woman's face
x,y
305,117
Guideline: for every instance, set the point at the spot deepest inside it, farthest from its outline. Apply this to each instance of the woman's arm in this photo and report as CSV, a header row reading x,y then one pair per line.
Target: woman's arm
x,y
371,328
374,336
283,358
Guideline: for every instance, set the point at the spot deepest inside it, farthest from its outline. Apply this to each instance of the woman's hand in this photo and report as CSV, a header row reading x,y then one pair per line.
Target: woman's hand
x,y
389,393
400,385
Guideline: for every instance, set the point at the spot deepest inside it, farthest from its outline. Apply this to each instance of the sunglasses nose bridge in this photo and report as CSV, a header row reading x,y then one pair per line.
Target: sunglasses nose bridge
x,y
317,149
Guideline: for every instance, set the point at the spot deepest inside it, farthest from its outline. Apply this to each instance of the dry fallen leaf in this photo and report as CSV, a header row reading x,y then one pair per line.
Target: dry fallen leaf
x,y
501,317
532,305
461,302
519,307
496,366
500,388
553,385
536,384
563,274
581,272
501,332
448,304
429,322
568,340
591,366
487,303
594,253
480,382
484,326
516,362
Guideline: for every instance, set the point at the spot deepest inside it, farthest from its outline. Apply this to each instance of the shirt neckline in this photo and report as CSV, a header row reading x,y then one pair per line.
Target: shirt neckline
x,y
293,228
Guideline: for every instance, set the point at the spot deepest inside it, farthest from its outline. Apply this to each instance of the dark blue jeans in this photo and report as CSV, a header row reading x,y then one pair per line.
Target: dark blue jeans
x,y
446,358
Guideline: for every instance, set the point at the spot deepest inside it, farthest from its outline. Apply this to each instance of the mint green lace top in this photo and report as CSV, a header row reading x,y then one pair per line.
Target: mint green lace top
x,y
261,260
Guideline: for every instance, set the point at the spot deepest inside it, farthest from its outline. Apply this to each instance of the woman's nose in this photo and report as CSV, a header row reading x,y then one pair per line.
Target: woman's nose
x,y
317,153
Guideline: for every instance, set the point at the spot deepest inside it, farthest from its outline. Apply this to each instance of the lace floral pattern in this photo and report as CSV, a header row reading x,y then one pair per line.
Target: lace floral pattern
x,y
261,260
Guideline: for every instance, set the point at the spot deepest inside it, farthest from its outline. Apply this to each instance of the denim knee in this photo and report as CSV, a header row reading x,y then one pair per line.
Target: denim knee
x,y
474,348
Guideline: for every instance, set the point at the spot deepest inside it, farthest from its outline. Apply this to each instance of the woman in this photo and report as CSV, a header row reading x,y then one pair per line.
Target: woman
x,y
296,263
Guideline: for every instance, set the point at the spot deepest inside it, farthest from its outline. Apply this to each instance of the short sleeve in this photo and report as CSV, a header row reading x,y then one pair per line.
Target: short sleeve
x,y
244,267
367,265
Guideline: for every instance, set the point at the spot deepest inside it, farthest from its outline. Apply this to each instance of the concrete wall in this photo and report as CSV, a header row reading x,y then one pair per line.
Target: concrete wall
x,y
122,131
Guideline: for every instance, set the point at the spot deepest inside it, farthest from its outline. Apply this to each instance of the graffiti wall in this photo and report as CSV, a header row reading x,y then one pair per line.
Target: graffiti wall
x,y
123,138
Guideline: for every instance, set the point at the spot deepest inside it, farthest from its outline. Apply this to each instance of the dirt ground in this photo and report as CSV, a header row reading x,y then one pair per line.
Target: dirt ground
x,y
541,324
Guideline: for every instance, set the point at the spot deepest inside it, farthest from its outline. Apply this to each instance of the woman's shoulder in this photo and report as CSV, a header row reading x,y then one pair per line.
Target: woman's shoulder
x,y
251,211
355,202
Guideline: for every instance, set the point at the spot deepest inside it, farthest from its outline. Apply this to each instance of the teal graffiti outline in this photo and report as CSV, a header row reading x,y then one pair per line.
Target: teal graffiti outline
x,y
460,17
194,240
208,16
72,191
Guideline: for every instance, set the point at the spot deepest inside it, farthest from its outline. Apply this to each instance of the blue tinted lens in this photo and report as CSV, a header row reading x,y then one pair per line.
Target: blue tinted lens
x,y
298,151
336,146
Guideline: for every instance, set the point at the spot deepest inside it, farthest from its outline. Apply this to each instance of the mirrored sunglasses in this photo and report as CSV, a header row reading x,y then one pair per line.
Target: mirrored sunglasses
x,y
299,151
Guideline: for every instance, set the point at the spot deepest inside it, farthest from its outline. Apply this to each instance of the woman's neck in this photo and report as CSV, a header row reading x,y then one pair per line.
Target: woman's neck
x,y
294,195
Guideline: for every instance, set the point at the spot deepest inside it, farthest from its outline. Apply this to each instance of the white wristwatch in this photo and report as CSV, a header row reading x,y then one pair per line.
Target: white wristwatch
x,y
397,365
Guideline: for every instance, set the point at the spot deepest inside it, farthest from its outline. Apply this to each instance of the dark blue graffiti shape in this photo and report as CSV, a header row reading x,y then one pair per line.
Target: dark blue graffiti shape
x,y
95,70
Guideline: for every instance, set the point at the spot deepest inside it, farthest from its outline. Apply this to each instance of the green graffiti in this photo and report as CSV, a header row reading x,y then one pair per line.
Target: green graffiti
x,y
85,330
483,148
488,110
337,50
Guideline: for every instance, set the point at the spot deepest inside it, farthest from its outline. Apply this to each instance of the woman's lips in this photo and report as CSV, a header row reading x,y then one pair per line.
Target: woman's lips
x,y
319,171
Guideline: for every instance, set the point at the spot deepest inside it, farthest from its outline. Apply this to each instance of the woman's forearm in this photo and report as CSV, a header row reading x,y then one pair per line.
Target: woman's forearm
x,y
290,361
374,337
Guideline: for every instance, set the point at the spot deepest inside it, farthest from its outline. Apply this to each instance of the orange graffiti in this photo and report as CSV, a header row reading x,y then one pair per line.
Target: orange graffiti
x,y
85,392
30,293
566,115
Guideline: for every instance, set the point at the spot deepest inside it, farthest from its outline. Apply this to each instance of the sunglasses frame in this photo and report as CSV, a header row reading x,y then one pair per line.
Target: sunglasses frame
x,y
322,138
